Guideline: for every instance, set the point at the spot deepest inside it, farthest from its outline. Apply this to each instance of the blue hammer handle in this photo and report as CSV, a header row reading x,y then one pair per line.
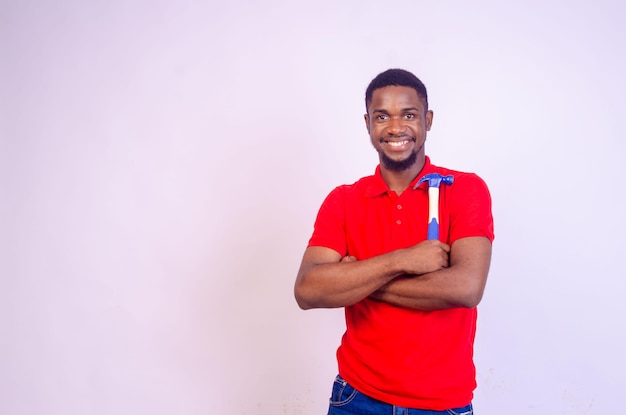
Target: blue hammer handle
x,y
433,230
434,181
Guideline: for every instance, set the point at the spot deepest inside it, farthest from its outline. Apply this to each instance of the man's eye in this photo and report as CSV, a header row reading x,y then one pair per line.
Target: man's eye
x,y
410,116
382,117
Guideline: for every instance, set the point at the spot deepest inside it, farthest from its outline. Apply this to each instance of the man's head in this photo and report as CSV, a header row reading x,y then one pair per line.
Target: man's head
x,y
395,77
398,119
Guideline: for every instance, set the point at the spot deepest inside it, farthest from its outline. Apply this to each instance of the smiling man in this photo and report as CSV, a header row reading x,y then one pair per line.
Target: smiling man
x,y
410,303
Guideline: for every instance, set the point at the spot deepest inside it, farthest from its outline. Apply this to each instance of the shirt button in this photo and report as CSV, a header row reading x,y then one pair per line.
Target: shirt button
x,y
399,222
399,206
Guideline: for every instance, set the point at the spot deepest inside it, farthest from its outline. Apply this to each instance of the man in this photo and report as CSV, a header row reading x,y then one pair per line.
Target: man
x,y
410,303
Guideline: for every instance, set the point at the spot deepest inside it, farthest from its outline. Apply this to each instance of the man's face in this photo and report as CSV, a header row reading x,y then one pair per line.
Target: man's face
x,y
397,122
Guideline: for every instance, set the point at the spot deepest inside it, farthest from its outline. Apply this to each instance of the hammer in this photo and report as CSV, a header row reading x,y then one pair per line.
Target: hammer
x,y
434,180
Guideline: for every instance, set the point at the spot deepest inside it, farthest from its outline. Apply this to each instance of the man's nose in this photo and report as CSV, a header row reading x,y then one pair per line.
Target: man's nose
x,y
396,126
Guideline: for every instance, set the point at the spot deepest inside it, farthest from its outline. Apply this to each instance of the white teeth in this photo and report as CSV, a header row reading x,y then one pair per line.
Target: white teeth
x,y
398,143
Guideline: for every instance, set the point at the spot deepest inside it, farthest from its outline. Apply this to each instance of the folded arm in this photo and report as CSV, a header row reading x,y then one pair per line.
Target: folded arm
x,y
460,285
326,280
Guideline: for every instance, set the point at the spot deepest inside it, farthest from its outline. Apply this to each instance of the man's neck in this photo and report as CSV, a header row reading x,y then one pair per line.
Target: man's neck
x,y
398,181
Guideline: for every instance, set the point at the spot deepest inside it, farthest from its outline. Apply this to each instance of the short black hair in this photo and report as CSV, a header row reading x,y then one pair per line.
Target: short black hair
x,y
395,77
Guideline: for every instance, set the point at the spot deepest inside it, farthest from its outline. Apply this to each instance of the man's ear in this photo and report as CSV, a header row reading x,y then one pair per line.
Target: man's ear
x,y
367,122
429,119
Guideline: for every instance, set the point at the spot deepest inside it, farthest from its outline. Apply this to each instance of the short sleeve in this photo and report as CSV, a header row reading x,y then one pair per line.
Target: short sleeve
x,y
329,230
470,208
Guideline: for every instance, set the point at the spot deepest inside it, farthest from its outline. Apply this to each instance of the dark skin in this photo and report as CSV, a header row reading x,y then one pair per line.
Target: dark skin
x,y
427,276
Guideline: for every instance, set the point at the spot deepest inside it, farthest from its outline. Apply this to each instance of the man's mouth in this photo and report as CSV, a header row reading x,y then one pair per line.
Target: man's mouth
x,y
397,143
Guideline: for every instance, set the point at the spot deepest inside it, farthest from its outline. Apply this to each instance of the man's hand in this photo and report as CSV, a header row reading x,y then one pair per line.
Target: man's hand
x,y
425,257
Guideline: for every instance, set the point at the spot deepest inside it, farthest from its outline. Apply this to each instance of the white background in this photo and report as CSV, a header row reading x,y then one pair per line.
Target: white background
x,y
162,164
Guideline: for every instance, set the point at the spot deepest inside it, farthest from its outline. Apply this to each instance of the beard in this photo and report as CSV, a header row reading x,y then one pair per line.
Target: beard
x,y
398,165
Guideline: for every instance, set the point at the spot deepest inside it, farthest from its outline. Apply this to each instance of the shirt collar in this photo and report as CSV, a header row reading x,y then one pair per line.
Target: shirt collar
x,y
377,185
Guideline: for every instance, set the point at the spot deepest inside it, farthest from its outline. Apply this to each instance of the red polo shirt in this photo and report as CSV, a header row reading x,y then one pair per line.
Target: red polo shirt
x,y
400,356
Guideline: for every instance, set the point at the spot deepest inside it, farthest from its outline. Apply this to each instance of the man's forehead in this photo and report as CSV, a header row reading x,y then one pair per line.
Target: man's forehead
x,y
403,95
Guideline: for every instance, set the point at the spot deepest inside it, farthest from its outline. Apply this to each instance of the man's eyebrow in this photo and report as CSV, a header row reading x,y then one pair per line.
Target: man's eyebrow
x,y
384,111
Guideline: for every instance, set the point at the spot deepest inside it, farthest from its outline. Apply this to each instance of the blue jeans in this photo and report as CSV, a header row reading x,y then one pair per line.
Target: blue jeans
x,y
345,400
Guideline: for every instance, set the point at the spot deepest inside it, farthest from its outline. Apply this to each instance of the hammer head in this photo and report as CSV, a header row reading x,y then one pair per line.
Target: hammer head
x,y
435,179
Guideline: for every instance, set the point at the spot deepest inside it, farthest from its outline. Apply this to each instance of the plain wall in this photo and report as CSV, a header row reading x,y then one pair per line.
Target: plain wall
x,y
162,163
